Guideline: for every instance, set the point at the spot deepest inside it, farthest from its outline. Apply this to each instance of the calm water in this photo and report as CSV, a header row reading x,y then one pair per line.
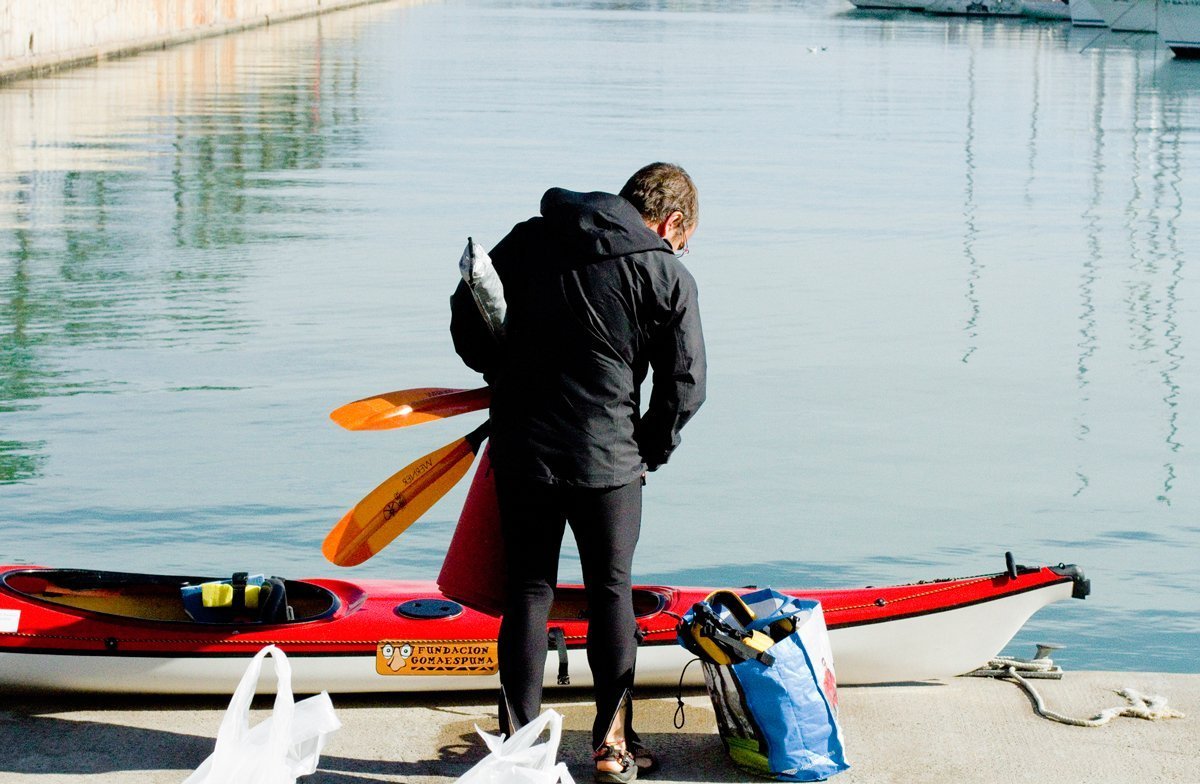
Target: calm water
x,y
947,272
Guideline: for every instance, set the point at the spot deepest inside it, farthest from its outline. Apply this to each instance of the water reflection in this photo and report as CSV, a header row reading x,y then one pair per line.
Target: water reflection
x,y
125,190
970,232
1175,88
204,250
1091,266
1168,201
1150,225
1172,179
1138,298
1035,108
1131,224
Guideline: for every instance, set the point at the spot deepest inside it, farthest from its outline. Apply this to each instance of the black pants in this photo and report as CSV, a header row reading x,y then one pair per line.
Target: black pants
x,y
606,523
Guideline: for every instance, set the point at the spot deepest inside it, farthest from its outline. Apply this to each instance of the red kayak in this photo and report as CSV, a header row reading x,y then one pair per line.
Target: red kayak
x,y
85,630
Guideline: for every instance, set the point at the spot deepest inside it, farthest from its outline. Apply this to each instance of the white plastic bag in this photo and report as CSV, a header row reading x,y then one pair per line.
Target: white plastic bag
x,y
518,760
476,269
281,747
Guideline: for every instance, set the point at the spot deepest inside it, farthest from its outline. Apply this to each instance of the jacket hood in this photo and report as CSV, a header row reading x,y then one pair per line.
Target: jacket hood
x,y
597,224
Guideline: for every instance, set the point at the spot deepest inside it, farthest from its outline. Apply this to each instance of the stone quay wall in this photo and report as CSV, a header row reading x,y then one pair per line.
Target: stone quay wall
x,y
39,36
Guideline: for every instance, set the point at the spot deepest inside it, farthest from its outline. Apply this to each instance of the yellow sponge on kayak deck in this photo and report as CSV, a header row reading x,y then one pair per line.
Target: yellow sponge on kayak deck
x,y
221,601
221,595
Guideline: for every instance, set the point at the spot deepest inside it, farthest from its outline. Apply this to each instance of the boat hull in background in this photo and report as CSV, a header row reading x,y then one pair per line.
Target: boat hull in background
x,y
1179,27
1129,16
1084,14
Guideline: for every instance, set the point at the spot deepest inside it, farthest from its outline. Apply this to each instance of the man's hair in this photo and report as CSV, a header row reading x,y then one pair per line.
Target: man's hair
x,y
659,189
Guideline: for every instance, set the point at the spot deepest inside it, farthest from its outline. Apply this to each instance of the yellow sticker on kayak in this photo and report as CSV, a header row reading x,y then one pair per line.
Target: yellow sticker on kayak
x,y
436,657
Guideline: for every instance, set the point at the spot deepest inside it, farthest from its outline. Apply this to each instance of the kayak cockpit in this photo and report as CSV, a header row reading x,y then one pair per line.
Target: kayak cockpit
x,y
570,602
174,599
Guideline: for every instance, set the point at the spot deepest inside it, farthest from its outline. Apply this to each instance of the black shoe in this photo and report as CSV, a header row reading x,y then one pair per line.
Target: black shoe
x,y
610,753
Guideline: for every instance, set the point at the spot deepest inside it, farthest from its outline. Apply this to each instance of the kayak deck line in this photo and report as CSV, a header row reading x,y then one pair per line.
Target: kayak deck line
x,y
946,608
829,609
881,602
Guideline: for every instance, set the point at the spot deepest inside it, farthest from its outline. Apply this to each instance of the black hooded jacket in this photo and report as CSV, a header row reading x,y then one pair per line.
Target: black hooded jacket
x,y
595,299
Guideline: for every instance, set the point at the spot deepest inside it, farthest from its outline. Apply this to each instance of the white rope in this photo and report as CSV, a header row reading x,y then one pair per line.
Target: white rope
x,y
1024,665
1150,707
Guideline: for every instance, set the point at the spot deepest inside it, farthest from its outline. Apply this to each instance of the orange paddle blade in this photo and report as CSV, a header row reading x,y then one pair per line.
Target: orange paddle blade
x,y
391,508
409,407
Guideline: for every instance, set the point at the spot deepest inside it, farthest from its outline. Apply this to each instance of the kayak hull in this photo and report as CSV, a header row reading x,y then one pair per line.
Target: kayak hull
x,y
885,634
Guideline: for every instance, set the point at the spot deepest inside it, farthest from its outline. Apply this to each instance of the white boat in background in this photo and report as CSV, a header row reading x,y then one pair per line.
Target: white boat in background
x,y
889,5
1084,14
975,7
1129,16
1179,26
1046,9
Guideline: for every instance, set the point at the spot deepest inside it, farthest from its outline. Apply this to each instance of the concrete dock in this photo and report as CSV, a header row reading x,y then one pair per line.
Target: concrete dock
x,y
41,36
963,730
